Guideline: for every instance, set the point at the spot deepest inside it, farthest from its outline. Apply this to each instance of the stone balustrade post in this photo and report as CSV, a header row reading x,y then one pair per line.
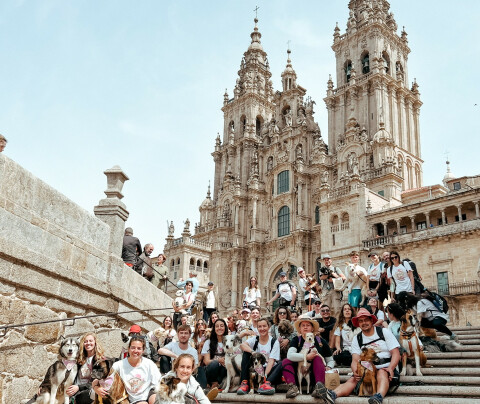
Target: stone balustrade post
x,y
459,209
112,210
412,219
234,282
443,217
477,209
427,216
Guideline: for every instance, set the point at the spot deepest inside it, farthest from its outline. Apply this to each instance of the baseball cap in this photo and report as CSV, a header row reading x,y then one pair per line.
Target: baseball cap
x,y
300,269
135,329
372,253
245,309
210,283
326,256
283,274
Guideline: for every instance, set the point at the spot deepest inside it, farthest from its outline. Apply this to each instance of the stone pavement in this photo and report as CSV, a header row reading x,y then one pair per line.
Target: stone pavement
x,y
449,378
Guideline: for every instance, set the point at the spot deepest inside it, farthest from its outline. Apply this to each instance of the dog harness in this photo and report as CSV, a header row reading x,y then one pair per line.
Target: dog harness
x,y
367,365
69,364
408,335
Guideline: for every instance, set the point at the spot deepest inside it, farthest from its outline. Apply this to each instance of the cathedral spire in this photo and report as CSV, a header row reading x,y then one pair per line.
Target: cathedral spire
x,y
289,76
255,35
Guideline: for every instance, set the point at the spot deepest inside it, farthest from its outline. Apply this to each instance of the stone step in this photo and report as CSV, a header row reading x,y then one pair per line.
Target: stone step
x,y
468,342
453,355
307,399
464,332
450,362
428,380
465,328
440,371
464,348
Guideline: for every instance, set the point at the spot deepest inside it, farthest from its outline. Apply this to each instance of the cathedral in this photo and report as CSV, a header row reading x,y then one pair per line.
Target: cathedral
x,y
284,193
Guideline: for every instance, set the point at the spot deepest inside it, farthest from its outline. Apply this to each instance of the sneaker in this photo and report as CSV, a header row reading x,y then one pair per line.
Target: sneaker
x,y
319,391
292,391
244,388
266,388
376,399
453,336
212,394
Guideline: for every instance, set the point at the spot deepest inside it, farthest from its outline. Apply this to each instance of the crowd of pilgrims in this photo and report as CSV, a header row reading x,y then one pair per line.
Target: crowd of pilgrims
x,y
196,353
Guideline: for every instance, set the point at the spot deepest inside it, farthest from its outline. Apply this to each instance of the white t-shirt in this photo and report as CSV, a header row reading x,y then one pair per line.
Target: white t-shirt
x,y
400,275
206,348
347,336
138,380
274,353
210,300
175,348
302,282
375,271
430,310
251,295
382,348
285,290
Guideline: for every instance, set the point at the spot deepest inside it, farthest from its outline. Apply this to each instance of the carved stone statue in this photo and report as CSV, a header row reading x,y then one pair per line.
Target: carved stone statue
x,y
325,176
288,117
171,229
269,163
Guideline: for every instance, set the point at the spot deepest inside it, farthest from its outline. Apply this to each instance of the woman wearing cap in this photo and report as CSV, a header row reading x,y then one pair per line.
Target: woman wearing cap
x,y
251,294
309,295
318,355
344,334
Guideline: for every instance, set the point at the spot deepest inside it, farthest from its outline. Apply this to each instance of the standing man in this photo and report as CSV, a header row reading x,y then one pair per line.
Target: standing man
x,y
325,275
385,345
144,264
131,248
209,302
286,291
309,296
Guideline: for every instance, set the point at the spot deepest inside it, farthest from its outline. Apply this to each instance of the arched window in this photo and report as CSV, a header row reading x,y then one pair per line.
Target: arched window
x,y
348,70
243,124
178,261
317,214
192,265
172,265
386,62
345,225
334,224
205,267
366,63
283,183
284,221
231,126
258,125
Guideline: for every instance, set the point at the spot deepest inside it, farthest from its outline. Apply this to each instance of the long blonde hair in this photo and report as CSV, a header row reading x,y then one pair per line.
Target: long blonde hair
x,y
82,358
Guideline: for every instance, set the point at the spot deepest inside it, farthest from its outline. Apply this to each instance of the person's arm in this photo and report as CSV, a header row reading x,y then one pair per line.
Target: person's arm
x,y
181,283
355,359
338,348
410,275
294,295
393,362
293,355
258,297
275,297
166,352
245,347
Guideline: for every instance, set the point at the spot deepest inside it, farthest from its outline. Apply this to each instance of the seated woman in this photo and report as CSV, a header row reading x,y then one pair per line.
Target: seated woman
x,y
171,333
282,314
232,325
316,357
213,317
344,334
183,367
214,356
374,309
198,338
432,317
269,347
395,313
139,374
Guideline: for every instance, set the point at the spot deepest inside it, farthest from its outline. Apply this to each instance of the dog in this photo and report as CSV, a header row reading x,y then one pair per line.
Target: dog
x,y
367,370
180,300
101,369
410,343
61,374
256,371
353,280
242,325
157,337
285,329
113,383
445,344
303,371
171,390
233,359
313,284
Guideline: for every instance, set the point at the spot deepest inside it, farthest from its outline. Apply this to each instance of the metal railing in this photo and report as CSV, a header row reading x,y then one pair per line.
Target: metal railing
x,y
457,289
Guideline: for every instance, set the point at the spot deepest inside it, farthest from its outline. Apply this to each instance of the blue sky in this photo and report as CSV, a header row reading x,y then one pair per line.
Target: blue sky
x,y
86,85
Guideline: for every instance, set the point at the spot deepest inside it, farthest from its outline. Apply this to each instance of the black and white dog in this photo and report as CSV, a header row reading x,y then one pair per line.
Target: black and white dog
x,y
233,359
60,375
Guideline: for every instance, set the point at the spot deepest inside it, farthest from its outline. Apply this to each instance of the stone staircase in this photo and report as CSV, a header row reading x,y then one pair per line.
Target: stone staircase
x,y
450,377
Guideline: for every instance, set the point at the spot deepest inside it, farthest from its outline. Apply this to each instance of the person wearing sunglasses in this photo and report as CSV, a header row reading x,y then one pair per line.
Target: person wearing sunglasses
x,y
282,313
401,273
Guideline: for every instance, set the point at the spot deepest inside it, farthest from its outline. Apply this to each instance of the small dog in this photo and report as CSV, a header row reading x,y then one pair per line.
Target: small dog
x,y
233,358
171,390
101,369
60,375
445,344
256,371
368,372
285,329
354,280
180,300
117,394
157,337
303,371
410,343
313,284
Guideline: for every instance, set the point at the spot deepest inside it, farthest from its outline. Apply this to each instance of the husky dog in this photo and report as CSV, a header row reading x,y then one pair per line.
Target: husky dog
x,y
60,375
233,358
171,390
303,371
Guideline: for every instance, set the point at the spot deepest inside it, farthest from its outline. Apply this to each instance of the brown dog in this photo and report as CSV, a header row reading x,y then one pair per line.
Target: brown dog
x,y
368,372
116,390
411,344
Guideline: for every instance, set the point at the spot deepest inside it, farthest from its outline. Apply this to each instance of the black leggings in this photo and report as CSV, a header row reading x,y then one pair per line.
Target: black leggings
x,y
438,323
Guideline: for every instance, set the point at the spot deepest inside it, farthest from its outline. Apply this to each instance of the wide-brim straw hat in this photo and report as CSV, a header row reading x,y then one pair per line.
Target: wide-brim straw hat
x,y
363,313
301,319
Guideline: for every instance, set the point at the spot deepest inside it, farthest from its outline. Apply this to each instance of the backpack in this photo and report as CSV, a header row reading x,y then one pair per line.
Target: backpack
x,y
380,337
439,301
257,339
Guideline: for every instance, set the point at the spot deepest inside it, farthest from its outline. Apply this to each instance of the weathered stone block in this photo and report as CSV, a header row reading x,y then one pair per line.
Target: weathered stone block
x,y
46,333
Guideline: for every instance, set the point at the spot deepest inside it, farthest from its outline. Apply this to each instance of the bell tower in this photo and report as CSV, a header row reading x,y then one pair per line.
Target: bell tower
x,y
373,104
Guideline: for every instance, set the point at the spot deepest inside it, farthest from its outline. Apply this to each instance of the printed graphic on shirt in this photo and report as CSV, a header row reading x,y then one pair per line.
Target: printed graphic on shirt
x,y
399,275
135,383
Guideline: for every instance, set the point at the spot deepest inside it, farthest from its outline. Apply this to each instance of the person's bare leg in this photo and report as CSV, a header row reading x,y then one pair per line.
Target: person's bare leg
x,y
382,382
346,388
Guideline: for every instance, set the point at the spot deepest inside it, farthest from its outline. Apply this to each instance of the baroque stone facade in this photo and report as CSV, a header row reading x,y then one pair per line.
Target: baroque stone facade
x,y
282,195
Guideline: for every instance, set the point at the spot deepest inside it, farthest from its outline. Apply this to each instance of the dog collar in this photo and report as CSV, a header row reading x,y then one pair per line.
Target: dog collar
x,y
367,365
259,370
69,364
407,334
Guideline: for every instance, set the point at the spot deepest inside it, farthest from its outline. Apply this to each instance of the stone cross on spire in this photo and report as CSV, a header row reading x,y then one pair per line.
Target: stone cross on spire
x,y
256,12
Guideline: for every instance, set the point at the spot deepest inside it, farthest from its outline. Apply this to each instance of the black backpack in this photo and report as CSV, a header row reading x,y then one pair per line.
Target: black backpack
x,y
380,338
257,339
439,301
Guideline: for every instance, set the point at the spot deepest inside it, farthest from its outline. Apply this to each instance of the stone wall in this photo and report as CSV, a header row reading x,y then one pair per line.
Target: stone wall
x,y
55,262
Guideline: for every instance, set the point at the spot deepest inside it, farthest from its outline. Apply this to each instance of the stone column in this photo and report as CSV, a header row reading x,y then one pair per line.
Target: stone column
x,y
477,211
412,219
253,267
255,199
443,217
398,225
112,210
385,230
300,207
427,215
459,208
234,282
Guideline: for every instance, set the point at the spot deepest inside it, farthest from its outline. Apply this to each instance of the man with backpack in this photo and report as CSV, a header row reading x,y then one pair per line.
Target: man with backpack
x,y
386,347
286,291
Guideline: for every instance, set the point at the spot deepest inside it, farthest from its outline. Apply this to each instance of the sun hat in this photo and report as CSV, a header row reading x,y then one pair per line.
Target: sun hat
x,y
363,313
301,319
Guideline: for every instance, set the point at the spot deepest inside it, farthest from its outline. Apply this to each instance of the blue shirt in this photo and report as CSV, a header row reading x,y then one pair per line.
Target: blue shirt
x,y
195,283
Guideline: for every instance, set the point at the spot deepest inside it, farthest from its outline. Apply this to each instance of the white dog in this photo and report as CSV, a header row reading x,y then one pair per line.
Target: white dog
x,y
157,337
354,280
303,371
233,358
180,300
